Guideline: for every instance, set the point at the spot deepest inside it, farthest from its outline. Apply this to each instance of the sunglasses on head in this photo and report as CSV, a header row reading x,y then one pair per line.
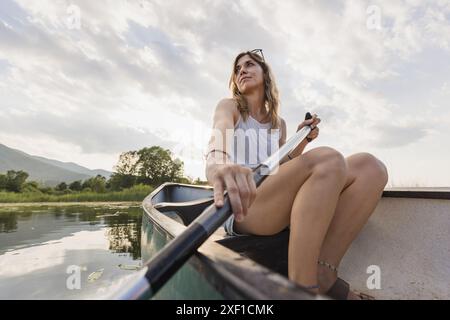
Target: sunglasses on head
x,y
258,52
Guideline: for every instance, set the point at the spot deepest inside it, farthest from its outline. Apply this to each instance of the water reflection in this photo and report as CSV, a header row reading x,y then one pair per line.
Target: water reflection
x,y
39,244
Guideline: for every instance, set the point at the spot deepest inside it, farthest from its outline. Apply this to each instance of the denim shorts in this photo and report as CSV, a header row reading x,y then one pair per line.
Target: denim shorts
x,y
229,227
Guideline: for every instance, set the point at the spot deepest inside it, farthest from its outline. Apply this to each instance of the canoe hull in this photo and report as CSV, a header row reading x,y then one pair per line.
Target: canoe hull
x,y
402,252
188,282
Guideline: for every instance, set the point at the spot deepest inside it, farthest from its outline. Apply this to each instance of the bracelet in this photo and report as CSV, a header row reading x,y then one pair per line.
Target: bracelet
x,y
218,150
290,158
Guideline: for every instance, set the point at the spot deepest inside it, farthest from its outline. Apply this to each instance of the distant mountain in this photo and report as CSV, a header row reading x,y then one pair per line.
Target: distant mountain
x,y
74,167
46,171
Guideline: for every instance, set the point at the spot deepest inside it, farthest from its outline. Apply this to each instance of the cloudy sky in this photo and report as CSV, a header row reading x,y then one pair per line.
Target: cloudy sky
x,y
83,81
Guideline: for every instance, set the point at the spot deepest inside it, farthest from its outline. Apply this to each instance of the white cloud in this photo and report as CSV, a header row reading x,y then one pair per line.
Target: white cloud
x,y
49,254
147,72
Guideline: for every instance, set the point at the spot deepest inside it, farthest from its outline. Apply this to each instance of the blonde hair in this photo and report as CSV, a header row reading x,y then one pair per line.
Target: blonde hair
x,y
271,96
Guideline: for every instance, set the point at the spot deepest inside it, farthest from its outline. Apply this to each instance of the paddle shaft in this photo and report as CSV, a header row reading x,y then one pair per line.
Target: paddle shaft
x,y
170,258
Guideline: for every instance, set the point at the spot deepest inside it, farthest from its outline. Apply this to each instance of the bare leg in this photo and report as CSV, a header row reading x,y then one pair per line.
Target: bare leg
x,y
311,214
272,210
366,181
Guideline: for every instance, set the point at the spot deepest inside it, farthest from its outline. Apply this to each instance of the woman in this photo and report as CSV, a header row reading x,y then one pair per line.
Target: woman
x,y
324,198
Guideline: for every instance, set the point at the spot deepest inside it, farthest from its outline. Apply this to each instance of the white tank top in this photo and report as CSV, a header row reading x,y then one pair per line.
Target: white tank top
x,y
253,142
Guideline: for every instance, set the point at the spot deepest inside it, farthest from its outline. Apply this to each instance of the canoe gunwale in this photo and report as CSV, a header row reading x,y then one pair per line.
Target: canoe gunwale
x,y
417,193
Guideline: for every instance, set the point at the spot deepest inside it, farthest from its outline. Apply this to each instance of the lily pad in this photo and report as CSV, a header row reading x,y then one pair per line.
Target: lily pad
x,y
95,275
129,267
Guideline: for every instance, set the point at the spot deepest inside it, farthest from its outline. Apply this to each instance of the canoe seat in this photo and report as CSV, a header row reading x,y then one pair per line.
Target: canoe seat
x,y
269,251
187,210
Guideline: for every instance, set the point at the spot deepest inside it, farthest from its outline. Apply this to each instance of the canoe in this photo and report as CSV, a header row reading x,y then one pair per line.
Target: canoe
x,y
403,252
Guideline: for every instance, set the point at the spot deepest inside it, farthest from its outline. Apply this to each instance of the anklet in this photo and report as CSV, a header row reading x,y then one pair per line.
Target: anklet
x,y
326,264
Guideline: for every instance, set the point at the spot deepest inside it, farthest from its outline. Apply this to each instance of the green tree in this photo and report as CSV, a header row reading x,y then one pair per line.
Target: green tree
x,y
62,186
86,184
96,184
198,181
75,186
2,182
31,186
155,166
127,163
119,181
46,190
185,180
99,183
15,180
125,175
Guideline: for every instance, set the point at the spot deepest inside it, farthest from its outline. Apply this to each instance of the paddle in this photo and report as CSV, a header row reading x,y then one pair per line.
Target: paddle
x,y
170,258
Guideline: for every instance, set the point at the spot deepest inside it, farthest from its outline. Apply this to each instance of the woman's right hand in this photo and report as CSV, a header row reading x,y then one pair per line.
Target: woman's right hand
x,y
238,181
313,122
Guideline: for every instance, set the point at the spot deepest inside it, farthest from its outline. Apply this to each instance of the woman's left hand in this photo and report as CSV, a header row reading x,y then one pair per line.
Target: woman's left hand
x,y
315,130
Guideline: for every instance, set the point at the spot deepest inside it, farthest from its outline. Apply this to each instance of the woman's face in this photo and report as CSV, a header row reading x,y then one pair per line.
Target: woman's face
x,y
248,74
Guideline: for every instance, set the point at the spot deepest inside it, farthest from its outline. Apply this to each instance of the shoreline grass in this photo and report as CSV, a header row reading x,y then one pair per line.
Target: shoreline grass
x,y
134,194
68,204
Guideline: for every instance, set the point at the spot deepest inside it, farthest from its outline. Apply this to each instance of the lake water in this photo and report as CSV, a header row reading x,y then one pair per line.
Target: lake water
x,y
68,251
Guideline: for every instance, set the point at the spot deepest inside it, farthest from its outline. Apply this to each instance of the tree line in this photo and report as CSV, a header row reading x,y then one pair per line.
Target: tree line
x,y
148,166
